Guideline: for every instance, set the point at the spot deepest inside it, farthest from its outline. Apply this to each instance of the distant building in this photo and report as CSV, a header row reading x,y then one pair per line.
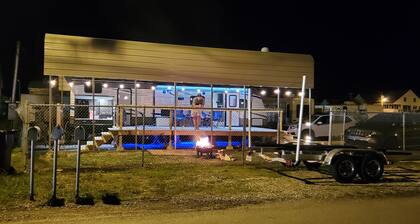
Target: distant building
x,y
406,101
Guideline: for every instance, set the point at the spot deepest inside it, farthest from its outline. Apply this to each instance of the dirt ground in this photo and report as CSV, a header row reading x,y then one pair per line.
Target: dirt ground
x,y
386,210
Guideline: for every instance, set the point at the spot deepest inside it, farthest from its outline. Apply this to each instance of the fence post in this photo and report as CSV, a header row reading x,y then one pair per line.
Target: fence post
x,y
169,147
243,129
330,127
135,115
403,134
120,124
344,125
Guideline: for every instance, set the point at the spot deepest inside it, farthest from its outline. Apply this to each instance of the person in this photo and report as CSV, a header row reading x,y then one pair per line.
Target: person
x,y
198,102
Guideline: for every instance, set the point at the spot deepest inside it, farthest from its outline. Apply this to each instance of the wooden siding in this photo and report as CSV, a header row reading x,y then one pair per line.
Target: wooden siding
x,y
118,59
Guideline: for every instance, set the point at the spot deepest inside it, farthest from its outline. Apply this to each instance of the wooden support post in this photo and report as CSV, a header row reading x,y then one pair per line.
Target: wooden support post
x,y
229,146
169,147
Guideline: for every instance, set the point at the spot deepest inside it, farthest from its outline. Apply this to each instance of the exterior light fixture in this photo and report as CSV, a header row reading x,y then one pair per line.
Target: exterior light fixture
x,y
277,91
153,88
137,85
300,94
263,92
105,85
121,86
126,97
71,84
183,89
88,83
53,82
288,93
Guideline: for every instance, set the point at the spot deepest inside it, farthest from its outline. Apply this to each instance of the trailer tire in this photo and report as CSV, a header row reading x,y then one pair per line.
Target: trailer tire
x,y
344,169
371,168
312,165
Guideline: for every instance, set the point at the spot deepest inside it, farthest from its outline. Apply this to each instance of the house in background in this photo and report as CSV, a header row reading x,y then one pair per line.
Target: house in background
x,y
404,101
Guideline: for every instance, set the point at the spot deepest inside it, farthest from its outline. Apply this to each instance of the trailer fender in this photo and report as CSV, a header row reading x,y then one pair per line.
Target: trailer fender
x,y
333,154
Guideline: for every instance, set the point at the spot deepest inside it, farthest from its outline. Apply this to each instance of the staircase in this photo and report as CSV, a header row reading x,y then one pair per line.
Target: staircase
x,y
97,142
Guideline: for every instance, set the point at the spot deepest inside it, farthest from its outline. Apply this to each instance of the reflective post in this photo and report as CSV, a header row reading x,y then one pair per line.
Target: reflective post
x,y
33,136
302,97
79,135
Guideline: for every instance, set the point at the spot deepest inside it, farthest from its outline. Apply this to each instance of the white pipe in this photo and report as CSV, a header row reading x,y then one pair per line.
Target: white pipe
x,y
302,97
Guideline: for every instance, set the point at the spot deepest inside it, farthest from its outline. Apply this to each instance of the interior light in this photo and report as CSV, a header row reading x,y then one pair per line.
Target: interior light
x,y
153,88
237,90
121,86
137,85
198,91
182,89
226,91
126,97
169,87
277,91
288,93
88,83
105,85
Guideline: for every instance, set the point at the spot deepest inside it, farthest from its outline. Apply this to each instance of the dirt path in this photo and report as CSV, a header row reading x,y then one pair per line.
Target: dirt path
x,y
386,210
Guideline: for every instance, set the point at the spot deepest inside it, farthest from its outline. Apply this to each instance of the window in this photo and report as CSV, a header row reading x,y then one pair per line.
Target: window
x,y
414,99
233,101
323,119
405,99
103,109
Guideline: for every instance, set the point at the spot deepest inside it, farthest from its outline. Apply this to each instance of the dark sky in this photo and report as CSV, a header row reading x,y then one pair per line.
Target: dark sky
x,y
357,47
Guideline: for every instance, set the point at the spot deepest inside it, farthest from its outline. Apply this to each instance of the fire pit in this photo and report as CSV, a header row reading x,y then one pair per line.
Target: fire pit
x,y
204,147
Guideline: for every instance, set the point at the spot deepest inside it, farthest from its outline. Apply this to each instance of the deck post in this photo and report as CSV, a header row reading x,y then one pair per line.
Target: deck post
x,y
244,129
211,115
249,116
330,126
175,121
278,116
229,146
93,113
142,137
135,115
169,147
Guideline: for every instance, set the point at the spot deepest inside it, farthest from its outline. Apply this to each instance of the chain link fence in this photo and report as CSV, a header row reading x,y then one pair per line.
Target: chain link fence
x,y
161,134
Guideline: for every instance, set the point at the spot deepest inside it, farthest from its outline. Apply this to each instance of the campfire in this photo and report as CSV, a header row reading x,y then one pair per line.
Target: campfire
x,y
203,146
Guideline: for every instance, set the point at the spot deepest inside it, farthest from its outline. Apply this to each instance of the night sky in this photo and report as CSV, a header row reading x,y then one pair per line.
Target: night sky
x,y
358,48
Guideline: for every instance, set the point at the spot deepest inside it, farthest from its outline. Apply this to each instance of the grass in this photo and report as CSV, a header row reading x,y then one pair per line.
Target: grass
x,y
188,183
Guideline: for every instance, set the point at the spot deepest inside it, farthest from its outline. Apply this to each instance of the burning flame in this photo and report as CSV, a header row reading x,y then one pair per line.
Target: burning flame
x,y
203,142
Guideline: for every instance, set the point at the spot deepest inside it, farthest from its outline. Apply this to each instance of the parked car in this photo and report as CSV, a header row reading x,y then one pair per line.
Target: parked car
x,y
319,127
385,131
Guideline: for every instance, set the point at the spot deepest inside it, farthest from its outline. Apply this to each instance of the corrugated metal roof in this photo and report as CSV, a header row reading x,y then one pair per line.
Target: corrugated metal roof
x,y
106,58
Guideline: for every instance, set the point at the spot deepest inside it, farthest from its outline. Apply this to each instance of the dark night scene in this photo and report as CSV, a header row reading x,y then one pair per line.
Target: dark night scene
x,y
209,112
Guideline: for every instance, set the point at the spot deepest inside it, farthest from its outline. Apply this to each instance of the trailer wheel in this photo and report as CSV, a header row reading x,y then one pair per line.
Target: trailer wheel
x,y
371,168
344,169
310,165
